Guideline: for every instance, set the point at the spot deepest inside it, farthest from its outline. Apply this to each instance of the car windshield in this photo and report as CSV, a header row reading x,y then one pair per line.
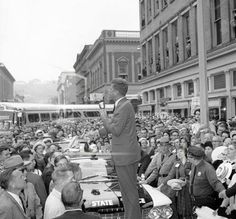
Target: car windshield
x,y
96,168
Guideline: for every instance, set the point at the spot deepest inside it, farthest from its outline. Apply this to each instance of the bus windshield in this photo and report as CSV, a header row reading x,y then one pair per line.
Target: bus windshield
x,y
6,119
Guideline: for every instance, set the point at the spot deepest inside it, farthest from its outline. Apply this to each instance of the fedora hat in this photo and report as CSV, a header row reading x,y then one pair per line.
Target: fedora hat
x,y
224,171
14,161
218,153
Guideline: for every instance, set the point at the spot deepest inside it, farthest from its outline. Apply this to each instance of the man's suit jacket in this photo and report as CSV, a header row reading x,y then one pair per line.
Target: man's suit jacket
x,y
9,208
125,147
77,214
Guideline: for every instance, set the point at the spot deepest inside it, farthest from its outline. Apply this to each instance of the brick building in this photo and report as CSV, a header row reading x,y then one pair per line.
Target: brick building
x,y
169,50
66,88
114,54
6,84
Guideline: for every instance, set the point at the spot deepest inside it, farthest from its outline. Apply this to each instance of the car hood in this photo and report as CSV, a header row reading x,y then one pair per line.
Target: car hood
x,y
98,194
101,188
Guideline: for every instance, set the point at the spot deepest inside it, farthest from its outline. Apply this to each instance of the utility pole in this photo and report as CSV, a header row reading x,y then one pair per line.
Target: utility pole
x,y
202,59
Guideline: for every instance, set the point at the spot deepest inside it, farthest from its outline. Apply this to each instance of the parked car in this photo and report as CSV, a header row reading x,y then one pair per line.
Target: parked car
x,y
101,191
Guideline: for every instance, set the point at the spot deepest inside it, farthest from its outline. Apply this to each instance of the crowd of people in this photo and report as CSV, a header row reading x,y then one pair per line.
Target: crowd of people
x,y
38,181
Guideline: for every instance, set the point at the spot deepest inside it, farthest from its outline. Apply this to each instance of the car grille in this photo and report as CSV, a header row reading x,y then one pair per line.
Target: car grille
x,y
120,215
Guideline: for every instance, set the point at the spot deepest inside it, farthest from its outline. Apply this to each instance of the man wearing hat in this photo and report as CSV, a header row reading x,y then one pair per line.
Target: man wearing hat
x,y
25,191
204,184
164,162
11,206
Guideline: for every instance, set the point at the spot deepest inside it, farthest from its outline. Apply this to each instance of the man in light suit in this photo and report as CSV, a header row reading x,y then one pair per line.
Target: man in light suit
x,y
126,151
11,206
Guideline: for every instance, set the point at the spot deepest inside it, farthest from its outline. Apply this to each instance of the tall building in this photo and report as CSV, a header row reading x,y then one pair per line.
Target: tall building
x,y
66,88
114,54
81,67
6,84
169,50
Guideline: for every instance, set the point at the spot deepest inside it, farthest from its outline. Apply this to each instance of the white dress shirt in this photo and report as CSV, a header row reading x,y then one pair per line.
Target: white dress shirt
x,y
116,103
53,206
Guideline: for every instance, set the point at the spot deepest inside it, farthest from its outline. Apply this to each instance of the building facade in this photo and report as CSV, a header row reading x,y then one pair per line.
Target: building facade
x,y
6,84
114,54
81,67
66,88
169,51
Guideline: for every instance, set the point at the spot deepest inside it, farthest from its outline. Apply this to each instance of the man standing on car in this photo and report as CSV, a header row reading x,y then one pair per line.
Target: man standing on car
x,y
125,149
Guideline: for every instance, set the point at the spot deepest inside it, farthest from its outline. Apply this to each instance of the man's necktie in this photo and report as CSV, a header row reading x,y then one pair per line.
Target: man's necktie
x,y
192,180
22,201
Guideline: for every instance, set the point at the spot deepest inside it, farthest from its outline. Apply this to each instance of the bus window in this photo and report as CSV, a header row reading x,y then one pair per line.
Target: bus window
x,y
91,114
69,113
33,117
1,125
77,114
61,113
45,117
55,116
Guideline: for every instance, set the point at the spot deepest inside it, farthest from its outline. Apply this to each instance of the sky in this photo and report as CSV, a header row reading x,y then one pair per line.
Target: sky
x,y
41,38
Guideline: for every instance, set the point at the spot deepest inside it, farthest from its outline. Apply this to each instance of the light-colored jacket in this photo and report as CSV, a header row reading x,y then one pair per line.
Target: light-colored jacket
x,y
9,208
32,202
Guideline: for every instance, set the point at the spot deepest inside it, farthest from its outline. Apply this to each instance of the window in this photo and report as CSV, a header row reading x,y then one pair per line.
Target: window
x,y
166,49
217,21
152,95
156,6
149,10
164,4
161,90
175,42
150,56
45,117
69,113
61,113
157,53
91,114
123,68
144,70
219,81
233,19
234,78
145,96
124,77
142,14
34,117
190,88
55,116
77,114
187,40
178,90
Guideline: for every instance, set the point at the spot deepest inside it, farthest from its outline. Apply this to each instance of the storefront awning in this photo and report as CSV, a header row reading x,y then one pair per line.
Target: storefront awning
x,y
178,105
144,108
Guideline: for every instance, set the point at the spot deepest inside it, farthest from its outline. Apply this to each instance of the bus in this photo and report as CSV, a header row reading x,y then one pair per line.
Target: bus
x,y
8,117
32,113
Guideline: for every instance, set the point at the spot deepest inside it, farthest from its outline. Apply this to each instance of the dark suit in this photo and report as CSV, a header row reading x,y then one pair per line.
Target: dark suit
x,y
39,186
126,154
77,214
9,208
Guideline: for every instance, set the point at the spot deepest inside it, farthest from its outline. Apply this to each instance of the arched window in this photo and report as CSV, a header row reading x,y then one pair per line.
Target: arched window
x,y
123,67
